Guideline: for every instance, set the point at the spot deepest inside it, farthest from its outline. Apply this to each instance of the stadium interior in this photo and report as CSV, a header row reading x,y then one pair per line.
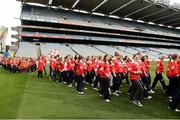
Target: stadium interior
x,y
74,27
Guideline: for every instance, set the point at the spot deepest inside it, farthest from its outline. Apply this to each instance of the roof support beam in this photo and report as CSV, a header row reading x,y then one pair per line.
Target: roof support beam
x,y
102,3
122,7
152,14
170,20
74,5
164,17
176,23
139,10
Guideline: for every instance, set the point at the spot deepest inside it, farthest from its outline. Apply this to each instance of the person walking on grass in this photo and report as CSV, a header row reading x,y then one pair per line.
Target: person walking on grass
x,y
40,67
159,77
136,91
172,74
80,75
105,74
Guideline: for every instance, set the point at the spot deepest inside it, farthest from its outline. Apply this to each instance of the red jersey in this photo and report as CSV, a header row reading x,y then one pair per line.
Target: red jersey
x,y
135,67
116,65
96,66
172,70
147,64
105,70
60,66
159,66
70,65
178,67
15,62
40,65
53,63
80,68
89,66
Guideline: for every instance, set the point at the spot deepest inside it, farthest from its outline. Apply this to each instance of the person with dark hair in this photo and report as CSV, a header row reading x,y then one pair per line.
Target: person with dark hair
x,y
40,67
45,62
60,67
144,79
136,91
80,75
117,68
159,77
176,98
54,68
97,63
172,74
70,70
147,65
105,74
15,65
89,76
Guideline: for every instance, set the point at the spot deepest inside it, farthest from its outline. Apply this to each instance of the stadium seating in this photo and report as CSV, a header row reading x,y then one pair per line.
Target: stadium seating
x,y
86,50
50,15
26,49
64,50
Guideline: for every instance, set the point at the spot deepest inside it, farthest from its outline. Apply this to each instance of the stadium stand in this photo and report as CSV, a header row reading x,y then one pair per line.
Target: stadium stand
x,y
75,28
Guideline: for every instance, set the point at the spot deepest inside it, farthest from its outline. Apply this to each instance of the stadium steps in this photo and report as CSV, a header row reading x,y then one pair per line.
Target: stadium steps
x,y
85,50
26,49
64,50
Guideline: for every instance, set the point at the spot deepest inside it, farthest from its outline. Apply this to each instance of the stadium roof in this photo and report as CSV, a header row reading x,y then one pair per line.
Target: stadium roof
x,y
155,11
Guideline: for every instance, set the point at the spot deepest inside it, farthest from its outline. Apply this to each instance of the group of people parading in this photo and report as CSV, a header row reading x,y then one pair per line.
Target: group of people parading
x,y
105,74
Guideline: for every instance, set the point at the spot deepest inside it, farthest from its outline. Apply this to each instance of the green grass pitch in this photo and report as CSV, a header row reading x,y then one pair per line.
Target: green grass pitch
x,y
24,96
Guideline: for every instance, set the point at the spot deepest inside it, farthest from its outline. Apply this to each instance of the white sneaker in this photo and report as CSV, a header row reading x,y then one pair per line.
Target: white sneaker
x,y
151,91
138,103
115,94
148,98
107,100
70,85
81,93
177,110
95,89
170,97
85,88
100,95
118,91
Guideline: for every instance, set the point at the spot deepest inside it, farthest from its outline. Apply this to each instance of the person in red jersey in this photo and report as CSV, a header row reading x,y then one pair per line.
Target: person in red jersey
x,y
80,75
144,79
15,65
40,67
145,74
147,64
159,77
135,72
178,65
45,62
173,75
89,76
50,66
60,67
117,71
176,98
97,63
70,70
105,74
128,63
54,68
